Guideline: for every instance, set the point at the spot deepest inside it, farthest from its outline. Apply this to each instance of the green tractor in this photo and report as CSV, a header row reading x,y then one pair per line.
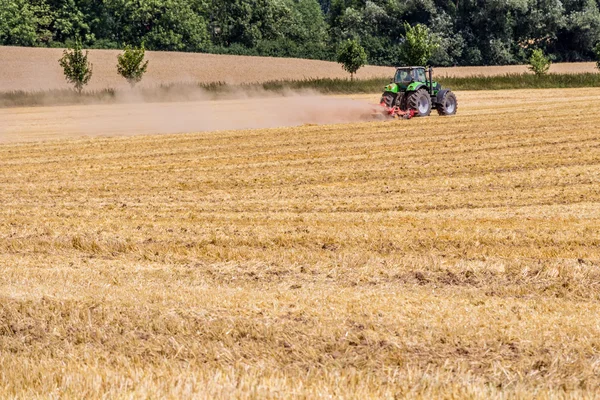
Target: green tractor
x,y
411,90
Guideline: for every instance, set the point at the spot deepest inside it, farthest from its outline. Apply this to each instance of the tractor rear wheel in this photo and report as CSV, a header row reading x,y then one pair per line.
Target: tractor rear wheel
x,y
448,105
420,101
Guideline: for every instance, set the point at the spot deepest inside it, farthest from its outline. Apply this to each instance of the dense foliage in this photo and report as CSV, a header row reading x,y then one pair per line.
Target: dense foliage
x,y
469,32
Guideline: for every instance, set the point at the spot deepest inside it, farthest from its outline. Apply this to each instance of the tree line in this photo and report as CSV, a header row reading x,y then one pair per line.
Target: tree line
x,y
466,32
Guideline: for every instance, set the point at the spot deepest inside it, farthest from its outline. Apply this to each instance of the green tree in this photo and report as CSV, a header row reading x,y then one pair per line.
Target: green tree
x,y
597,51
246,22
302,22
174,25
352,57
451,46
539,63
419,45
131,65
299,30
18,23
70,22
76,67
576,42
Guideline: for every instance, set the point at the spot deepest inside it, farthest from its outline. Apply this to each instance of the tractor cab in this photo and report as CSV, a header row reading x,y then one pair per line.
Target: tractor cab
x,y
406,76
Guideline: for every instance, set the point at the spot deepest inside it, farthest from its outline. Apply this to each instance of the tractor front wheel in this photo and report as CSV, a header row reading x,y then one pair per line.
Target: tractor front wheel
x,y
388,99
420,101
448,105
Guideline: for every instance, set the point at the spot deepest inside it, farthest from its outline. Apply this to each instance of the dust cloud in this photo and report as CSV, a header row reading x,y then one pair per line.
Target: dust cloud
x,y
132,117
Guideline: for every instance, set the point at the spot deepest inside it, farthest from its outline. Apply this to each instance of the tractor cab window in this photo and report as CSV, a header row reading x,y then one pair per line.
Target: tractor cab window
x,y
420,75
403,75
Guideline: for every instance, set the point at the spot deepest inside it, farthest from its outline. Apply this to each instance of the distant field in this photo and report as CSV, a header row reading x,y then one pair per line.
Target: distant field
x,y
34,69
433,258
38,69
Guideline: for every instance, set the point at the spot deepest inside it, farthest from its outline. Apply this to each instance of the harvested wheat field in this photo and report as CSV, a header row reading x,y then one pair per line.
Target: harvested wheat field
x,y
35,69
432,258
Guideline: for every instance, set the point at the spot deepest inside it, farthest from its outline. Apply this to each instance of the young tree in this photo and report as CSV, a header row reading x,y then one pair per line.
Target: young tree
x,y
539,63
76,67
131,65
352,57
418,46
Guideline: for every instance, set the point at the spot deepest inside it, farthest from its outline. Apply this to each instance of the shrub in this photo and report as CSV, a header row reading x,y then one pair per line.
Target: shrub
x,y
597,51
539,63
352,57
76,67
131,65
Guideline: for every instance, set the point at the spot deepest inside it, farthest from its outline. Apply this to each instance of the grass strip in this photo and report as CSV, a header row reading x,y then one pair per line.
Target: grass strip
x,y
219,90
